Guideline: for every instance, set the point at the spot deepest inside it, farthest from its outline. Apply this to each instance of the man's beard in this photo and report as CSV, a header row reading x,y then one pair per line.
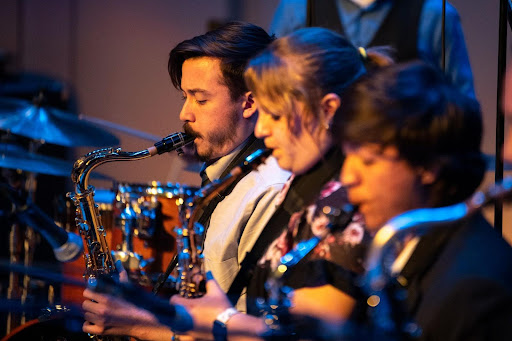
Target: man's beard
x,y
216,140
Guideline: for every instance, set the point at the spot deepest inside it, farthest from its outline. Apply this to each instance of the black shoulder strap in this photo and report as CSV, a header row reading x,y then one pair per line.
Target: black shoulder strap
x,y
252,145
271,231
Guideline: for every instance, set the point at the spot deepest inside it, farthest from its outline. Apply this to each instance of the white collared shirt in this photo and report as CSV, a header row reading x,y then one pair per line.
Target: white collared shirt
x,y
238,220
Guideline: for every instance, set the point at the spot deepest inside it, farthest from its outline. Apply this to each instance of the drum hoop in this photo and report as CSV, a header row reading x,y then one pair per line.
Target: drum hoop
x,y
20,328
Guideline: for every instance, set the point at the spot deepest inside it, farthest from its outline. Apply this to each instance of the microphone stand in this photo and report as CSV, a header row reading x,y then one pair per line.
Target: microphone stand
x,y
27,242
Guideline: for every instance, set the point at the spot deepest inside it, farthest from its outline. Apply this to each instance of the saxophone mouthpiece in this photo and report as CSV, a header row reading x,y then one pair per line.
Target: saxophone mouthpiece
x,y
171,142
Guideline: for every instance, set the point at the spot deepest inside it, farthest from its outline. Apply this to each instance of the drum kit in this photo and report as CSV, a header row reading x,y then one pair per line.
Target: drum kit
x,y
139,218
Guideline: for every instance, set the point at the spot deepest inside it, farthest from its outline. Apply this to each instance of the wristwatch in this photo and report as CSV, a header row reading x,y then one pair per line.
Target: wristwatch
x,y
220,332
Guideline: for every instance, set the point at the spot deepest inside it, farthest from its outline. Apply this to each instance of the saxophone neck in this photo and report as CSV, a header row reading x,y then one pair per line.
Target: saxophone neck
x,y
419,222
84,165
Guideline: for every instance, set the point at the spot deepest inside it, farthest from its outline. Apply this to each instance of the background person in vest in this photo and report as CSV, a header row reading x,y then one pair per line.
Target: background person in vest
x,y
413,141
220,112
411,27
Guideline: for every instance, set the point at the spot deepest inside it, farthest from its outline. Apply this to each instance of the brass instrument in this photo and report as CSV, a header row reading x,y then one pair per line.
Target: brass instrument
x,y
190,280
417,222
98,259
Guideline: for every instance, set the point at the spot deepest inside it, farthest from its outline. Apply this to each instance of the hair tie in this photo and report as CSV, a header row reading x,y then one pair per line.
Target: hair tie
x,y
362,52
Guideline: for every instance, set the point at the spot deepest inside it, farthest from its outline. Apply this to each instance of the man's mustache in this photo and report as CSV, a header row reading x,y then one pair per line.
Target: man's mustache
x,y
189,131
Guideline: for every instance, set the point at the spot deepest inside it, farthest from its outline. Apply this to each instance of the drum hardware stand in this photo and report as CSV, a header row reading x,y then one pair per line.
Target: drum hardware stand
x,y
16,243
29,243
183,204
505,15
125,252
30,237
13,290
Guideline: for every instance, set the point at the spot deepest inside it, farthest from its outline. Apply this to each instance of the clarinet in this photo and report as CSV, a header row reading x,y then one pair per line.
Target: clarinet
x,y
98,259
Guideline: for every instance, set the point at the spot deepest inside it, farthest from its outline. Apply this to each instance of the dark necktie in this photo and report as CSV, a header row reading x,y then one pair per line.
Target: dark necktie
x,y
204,178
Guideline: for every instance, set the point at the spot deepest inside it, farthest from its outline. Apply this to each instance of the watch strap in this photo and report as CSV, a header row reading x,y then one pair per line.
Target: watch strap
x,y
219,330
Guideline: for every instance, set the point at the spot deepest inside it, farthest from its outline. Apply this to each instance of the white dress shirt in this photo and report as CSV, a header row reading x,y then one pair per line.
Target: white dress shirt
x,y
238,220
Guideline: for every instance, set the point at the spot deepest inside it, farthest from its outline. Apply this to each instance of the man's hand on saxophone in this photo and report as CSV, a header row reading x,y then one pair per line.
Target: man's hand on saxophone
x,y
107,314
149,318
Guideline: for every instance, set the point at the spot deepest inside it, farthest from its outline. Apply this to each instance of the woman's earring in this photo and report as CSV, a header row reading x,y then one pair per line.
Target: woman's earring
x,y
428,177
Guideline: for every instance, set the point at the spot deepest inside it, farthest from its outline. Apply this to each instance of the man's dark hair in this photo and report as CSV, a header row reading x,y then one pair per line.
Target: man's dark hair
x,y
233,43
414,108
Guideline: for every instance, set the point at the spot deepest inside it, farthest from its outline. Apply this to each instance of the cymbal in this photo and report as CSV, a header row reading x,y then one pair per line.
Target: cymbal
x,y
15,157
39,122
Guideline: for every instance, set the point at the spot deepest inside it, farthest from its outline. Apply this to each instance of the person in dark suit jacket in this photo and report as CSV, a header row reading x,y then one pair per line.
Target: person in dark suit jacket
x,y
413,142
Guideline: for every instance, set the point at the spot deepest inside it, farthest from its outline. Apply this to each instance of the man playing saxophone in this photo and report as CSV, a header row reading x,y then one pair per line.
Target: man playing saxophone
x,y
219,111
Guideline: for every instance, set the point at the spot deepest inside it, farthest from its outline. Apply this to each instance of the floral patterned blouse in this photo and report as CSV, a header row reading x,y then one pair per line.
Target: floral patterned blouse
x,y
345,248
337,260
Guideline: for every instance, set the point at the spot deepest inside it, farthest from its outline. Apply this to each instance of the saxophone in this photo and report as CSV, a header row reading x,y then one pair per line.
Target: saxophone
x,y
98,259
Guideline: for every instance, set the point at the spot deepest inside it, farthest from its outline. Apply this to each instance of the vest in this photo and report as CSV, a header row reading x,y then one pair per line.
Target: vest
x,y
398,30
